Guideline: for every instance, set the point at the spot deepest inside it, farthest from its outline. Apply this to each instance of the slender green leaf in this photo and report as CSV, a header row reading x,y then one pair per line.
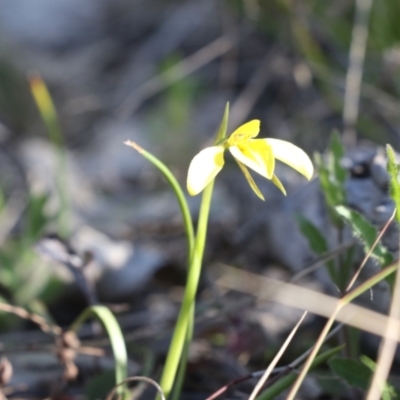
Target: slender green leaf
x,y
366,233
394,173
316,241
186,312
48,112
327,182
110,323
332,176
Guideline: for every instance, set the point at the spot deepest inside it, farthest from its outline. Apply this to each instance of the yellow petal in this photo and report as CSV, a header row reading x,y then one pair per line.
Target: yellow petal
x,y
244,132
278,184
292,156
257,155
203,168
250,180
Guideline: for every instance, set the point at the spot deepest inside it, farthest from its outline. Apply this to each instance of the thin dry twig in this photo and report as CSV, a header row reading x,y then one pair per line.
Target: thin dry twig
x,y
254,88
35,318
176,73
388,345
270,368
303,298
355,70
280,371
323,259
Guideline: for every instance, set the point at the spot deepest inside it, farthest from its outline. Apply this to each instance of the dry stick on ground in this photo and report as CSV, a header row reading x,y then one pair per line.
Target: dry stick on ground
x,y
56,250
249,96
66,342
355,70
388,346
302,298
177,72
37,319
389,105
280,371
268,371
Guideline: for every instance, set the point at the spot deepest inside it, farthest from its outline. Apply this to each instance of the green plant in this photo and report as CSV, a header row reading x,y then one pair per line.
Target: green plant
x,y
257,154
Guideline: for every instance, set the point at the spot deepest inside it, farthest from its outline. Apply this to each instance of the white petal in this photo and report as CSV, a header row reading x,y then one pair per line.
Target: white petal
x,y
203,168
293,156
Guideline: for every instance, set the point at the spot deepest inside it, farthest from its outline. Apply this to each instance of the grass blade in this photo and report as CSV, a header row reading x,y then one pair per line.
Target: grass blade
x,y
110,323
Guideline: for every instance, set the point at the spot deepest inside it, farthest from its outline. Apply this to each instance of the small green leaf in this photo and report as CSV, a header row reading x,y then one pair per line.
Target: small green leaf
x,y
366,233
337,150
316,241
394,171
327,184
332,177
332,188
351,371
223,127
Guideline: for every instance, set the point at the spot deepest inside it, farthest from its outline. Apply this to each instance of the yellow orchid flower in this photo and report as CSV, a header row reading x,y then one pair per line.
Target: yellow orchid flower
x,y
257,154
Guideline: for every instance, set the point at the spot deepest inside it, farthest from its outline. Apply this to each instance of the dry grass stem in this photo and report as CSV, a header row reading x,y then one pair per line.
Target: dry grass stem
x,y
305,299
177,72
273,363
355,70
388,345
37,319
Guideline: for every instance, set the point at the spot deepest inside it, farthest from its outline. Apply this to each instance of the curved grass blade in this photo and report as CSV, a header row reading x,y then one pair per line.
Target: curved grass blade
x,y
110,323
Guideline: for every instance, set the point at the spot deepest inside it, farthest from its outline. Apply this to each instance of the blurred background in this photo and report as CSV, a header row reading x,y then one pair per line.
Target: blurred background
x,y
160,73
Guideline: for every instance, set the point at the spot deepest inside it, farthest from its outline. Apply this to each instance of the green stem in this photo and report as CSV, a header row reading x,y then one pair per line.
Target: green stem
x,y
184,358
190,242
182,325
